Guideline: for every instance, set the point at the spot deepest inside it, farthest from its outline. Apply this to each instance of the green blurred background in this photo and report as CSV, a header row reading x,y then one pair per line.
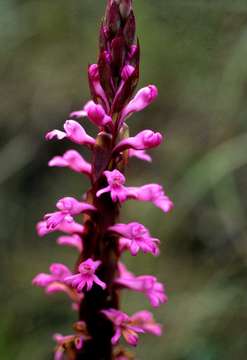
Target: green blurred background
x,y
195,51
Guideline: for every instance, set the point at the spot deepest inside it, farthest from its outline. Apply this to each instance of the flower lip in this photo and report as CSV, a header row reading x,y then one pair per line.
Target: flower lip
x,y
138,231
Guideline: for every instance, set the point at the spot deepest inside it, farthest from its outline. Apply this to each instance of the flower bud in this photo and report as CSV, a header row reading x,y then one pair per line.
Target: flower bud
x,y
125,7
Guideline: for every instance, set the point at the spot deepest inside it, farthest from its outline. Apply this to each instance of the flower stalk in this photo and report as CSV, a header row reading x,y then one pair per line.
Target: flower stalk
x,y
99,276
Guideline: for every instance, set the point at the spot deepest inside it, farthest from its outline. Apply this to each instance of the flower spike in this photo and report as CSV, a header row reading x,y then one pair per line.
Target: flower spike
x,y
90,224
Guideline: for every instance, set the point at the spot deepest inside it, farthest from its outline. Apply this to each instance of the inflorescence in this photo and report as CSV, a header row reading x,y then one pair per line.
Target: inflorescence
x,y
100,240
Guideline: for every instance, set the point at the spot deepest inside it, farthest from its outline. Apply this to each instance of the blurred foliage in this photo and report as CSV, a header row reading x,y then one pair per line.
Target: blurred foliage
x,y
195,51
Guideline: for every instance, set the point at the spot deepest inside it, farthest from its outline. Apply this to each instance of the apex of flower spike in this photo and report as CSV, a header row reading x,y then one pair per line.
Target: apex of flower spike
x,y
125,7
118,7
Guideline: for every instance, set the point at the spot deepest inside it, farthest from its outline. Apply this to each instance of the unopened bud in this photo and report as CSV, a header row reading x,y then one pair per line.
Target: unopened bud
x,y
125,7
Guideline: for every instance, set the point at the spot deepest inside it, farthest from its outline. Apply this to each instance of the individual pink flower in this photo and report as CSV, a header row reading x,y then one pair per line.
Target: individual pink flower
x,y
73,240
123,326
146,139
155,194
140,154
73,206
66,341
72,160
67,207
150,192
95,113
74,132
116,181
65,226
136,237
146,284
86,276
54,219
54,282
144,319
58,272
143,98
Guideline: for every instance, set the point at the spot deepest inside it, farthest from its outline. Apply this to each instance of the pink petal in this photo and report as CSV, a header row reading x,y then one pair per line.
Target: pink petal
x,y
77,134
99,282
74,241
143,98
73,160
97,114
140,154
55,134
73,206
146,139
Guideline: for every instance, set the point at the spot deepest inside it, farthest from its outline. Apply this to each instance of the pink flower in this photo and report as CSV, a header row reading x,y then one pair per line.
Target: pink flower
x,y
146,284
116,181
64,342
136,237
155,194
95,113
73,206
73,160
67,207
64,226
146,139
144,319
123,326
54,219
129,327
140,154
74,132
73,241
54,282
150,192
58,272
143,98
86,276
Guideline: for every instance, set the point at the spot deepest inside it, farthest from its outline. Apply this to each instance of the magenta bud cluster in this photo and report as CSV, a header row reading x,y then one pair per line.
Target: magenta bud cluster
x,y
90,223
